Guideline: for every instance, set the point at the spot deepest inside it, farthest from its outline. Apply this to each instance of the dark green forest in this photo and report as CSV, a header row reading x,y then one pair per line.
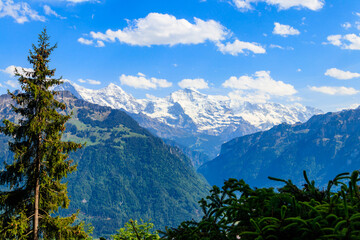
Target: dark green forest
x,y
123,171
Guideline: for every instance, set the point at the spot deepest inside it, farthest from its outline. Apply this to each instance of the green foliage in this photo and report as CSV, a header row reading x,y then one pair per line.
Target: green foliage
x,y
33,178
238,212
126,173
136,231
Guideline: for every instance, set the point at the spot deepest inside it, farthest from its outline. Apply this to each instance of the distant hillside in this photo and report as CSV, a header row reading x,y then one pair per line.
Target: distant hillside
x,y
196,121
123,171
323,146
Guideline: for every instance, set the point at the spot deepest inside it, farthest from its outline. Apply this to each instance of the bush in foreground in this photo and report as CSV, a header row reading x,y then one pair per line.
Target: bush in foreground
x,y
136,231
239,212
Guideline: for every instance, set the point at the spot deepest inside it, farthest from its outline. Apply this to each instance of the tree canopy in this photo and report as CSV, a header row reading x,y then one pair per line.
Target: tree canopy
x,y
35,189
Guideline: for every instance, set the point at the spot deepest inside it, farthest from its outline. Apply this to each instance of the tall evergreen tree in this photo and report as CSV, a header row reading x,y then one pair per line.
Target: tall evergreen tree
x,y
34,178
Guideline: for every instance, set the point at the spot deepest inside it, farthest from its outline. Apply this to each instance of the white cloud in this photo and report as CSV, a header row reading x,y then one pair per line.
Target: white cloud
x,y
238,96
243,4
197,83
162,83
149,96
12,83
100,43
240,47
90,81
357,24
335,90
348,41
49,11
276,46
10,70
346,25
260,84
334,40
141,74
140,81
280,47
284,30
352,106
85,41
21,12
1,85
299,70
314,5
342,75
91,42
164,29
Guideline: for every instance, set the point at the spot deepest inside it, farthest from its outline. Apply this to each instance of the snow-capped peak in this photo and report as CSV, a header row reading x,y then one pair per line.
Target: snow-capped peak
x,y
195,111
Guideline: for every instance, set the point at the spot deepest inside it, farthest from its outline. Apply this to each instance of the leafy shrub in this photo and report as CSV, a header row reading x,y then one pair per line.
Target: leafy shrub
x,y
238,212
136,231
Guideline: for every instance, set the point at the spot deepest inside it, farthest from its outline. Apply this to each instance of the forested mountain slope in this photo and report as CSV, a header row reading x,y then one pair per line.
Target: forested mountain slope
x,y
123,171
323,146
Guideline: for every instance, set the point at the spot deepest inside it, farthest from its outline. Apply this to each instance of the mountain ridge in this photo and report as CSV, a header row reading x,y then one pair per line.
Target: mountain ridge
x,y
195,120
123,172
323,146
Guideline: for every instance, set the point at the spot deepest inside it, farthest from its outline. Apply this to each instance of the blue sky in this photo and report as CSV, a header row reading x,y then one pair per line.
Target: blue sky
x,y
287,51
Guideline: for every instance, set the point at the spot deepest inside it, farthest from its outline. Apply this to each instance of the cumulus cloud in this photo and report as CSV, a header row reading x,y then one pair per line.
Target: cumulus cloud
x,y
85,41
89,81
346,25
342,75
240,47
357,24
12,83
348,41
276,46
351,106
48,11
334,40
141,82
100,44
260,81
259,87
91,42
314,5
164,29
280,47
197,83
238,96
284,30
21,12
334,90
10,70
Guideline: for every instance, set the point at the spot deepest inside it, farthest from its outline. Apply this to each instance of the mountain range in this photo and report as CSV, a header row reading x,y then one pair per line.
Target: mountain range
x,y
324,146
123,172
193,120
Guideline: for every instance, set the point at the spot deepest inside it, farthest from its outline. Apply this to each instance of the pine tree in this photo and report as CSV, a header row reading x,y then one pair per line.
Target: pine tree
x,y
34,179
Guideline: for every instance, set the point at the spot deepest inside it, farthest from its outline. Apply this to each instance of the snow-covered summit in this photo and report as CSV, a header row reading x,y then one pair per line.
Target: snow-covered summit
x,y
111,96
191,110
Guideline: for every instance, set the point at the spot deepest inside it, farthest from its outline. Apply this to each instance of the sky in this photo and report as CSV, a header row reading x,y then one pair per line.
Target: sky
x,y
285,51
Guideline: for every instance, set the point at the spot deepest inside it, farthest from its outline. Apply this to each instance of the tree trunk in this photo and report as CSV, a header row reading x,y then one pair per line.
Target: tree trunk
x,y
36,206
37,192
